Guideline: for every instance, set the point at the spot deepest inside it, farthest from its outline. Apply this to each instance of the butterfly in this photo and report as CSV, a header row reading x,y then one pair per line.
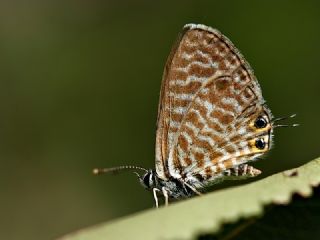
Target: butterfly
x,y
212,119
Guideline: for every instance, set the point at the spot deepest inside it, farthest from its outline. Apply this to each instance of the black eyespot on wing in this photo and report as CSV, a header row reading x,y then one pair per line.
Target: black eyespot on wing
x,y
261,122
260,144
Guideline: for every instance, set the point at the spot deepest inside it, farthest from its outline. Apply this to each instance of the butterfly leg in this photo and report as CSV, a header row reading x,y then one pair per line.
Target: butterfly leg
x,y
165,194
242,171
192,188
155,190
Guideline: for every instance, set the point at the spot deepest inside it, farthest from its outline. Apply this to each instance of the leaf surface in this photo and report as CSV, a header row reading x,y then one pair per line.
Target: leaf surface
x,y
207,214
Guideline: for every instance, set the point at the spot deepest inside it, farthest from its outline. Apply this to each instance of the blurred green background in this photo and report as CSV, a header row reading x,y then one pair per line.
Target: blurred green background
x,y
79,88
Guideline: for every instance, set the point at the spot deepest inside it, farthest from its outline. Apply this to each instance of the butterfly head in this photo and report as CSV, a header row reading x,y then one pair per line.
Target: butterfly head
x,y
149,179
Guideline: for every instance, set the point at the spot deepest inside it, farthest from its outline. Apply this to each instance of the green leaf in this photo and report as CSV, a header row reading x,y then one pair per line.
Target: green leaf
x,y
207,214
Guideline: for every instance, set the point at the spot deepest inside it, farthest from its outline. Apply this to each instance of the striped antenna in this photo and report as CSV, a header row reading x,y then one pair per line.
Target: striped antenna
x,y
284,125
98,171
283,118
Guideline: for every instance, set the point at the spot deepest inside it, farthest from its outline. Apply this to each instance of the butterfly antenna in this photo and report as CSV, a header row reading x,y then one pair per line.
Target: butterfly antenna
x,y
283,118
98,171
284,125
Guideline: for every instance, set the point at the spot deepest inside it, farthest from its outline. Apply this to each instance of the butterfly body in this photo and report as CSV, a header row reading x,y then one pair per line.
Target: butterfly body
x,y
174,188
185,188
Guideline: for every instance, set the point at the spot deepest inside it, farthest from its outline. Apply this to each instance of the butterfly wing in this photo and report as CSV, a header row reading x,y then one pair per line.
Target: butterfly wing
x,y
209,101
166,126
184,74
219,132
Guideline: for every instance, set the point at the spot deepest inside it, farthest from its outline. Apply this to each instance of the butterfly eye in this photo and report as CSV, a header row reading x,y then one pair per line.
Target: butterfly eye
x,y
146,180
260,122
260,143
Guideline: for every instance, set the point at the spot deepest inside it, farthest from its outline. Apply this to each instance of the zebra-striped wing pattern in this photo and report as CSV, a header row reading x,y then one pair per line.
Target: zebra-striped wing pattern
x,y
209,104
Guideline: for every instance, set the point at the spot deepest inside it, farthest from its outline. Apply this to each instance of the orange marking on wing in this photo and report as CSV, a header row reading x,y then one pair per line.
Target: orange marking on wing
x,y
201,71
223,118
208,171
226,119
176,117
175,74
213,136
216,127
233,60
176,162
214,156
228,164
203,144
223,48
194,119
222,83
200,159
192,87
230,149
183,143
188,161
222,66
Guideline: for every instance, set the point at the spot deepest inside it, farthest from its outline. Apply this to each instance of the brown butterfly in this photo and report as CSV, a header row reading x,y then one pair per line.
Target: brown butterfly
x,y
212,118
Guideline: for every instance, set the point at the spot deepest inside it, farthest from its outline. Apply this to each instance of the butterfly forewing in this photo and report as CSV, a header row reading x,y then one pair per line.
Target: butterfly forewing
x,y
208,104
